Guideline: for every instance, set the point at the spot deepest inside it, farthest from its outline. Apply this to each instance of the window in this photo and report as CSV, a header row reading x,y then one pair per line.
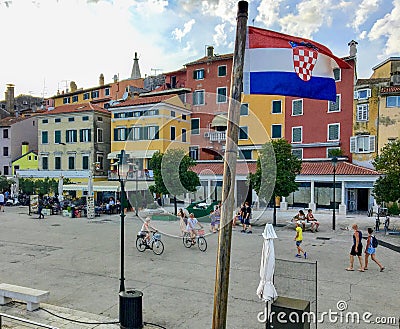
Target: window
x,y
245,154
276,131
173,81
85,118
85,135
100,119
183,116
277,107
57,163
195,126
297,107
298,153
393,101
45,137
72,119
95,94
71,162
362,112
332,151
44,121
334,132
362,144
57,136
198,74
243,133
5,170
119,134
221,95
100,161
198,97
107,92
86,96
29,158
173,114
334,106
5,133
172,133
45,163
362,94
194,152
297,134
66,100
337,74
75,99
99,135
244,109
5,151
222,70
85,162
57,120
184,135
153,132
71,136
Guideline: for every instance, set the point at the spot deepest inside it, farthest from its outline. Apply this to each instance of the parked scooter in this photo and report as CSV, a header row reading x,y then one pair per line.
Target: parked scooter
x,y
12,202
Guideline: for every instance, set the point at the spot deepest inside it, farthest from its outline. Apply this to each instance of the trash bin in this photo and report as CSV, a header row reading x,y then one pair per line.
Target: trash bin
x,y
293,309
130,309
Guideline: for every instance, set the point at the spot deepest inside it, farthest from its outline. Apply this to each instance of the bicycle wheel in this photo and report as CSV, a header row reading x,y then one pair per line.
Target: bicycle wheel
x,y
158,247
187,241
140,244
202,243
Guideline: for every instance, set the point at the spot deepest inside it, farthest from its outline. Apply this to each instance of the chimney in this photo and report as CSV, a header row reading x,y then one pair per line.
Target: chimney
x,y
101,80
73,86
353,48
9,97
115,78
25,148
210,51
135,69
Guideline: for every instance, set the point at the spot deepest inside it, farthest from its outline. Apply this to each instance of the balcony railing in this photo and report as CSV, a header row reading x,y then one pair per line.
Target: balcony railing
x,y
215,136
141,175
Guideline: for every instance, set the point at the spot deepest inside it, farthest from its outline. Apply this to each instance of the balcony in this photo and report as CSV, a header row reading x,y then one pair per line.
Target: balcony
x,y
141,175
215,136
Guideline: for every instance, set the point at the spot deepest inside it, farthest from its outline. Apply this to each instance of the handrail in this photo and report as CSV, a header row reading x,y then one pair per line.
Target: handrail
x,y
25,321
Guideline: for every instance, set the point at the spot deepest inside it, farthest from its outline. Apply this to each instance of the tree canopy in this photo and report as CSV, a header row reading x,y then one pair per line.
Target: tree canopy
x,y
387,187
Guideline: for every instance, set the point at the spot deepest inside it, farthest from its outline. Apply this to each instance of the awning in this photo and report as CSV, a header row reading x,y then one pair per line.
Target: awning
x,y
220,120
139,154
110,186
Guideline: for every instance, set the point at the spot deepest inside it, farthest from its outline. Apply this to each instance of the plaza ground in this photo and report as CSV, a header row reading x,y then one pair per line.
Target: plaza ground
x,y
78,261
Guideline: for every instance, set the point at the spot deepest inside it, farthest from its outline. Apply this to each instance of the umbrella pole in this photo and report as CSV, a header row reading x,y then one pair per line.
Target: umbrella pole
x,y
267,326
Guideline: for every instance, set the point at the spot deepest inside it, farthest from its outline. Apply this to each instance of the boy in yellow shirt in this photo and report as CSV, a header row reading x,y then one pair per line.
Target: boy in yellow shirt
x,y
299,238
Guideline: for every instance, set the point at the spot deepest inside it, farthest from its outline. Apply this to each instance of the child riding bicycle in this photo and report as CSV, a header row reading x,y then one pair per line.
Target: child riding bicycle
x,y
191,227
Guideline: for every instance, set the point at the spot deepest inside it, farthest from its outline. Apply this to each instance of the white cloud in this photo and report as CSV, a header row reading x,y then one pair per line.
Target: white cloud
x,y
389,27
220,36
226,10
178,34
268,12
365,9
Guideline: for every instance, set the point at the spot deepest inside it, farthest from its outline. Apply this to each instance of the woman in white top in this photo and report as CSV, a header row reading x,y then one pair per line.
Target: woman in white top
x,y
191,226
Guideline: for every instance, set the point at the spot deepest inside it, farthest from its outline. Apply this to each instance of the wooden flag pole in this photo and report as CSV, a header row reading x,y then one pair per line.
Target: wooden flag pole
x,y
228,185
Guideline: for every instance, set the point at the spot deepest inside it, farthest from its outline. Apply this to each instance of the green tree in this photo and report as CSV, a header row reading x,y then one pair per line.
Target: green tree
x,y
4,183
387,187
276,172
172,174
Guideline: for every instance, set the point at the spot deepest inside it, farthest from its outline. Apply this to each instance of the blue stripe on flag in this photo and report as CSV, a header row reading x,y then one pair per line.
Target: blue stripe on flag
x,y
289,84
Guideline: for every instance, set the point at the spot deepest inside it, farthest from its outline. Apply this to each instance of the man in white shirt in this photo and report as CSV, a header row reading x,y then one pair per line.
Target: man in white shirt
x,y
2,201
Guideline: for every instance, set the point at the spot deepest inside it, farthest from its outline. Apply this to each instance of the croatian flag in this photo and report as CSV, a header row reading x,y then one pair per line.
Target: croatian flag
x,y
280,64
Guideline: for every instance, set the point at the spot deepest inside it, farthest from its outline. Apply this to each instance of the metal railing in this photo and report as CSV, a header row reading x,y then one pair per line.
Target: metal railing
x,y
141,175
24,321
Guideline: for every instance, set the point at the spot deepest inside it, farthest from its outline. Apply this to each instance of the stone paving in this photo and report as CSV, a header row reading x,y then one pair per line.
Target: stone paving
x,y
78,262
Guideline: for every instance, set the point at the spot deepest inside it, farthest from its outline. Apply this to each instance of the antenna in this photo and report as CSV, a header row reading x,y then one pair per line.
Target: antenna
x,y
155,70
125,95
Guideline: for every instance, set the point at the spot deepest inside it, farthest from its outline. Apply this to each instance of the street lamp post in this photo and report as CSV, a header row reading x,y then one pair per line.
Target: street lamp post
x,y
334,163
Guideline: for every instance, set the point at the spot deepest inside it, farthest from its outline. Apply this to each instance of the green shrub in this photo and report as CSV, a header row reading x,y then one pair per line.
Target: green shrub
x,y
394,209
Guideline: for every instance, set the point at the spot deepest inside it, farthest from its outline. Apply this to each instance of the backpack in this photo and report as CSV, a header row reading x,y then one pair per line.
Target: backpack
x,y
374,242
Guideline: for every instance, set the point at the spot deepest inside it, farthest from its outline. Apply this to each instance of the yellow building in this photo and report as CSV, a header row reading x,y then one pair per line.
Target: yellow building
x,y
147,124
28,159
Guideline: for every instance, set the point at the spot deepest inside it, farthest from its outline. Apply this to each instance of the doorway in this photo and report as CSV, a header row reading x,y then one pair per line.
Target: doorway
x,y
362,199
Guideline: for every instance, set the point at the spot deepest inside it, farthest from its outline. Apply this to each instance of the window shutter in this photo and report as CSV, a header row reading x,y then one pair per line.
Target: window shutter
x,y
353,142
116,134
372,144
368,93
89,135
81,135
194,74
356,95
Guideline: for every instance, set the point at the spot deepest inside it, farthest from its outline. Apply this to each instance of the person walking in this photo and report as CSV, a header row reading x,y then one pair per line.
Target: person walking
x,y
370,250
40,208
247,218
356,249
2,200
299,239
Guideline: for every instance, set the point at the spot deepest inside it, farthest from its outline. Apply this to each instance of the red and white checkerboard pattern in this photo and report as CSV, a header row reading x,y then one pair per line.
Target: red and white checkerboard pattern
x,y
304,60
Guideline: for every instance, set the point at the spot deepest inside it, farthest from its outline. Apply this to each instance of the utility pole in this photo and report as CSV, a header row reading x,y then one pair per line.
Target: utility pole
x,y
228,185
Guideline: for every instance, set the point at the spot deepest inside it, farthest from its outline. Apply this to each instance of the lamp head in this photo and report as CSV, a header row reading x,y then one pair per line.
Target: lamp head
x,y
334,161
123,165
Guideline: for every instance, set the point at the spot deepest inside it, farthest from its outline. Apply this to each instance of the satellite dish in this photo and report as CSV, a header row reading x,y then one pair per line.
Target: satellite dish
x,y
125,96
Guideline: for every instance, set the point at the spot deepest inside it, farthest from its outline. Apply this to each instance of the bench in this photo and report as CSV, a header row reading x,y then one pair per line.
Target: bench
x,y
32,297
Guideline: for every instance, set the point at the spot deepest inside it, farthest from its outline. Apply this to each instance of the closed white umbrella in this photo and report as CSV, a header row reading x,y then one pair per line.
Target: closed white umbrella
x,y
266,289
60,188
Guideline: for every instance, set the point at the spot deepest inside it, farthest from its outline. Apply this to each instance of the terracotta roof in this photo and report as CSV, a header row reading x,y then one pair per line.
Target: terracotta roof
x,y
144,100
73,108
217,168
392,89
342,168
8,121
214,58
371,81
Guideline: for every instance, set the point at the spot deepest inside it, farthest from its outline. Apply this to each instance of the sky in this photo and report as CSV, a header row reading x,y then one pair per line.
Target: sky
x,y
45,44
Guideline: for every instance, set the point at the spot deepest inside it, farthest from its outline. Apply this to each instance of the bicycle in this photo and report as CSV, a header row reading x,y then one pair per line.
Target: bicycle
x,y
200,239
155,243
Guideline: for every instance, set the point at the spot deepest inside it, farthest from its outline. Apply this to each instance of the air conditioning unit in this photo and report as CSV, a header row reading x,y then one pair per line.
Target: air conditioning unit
x,y
207,134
